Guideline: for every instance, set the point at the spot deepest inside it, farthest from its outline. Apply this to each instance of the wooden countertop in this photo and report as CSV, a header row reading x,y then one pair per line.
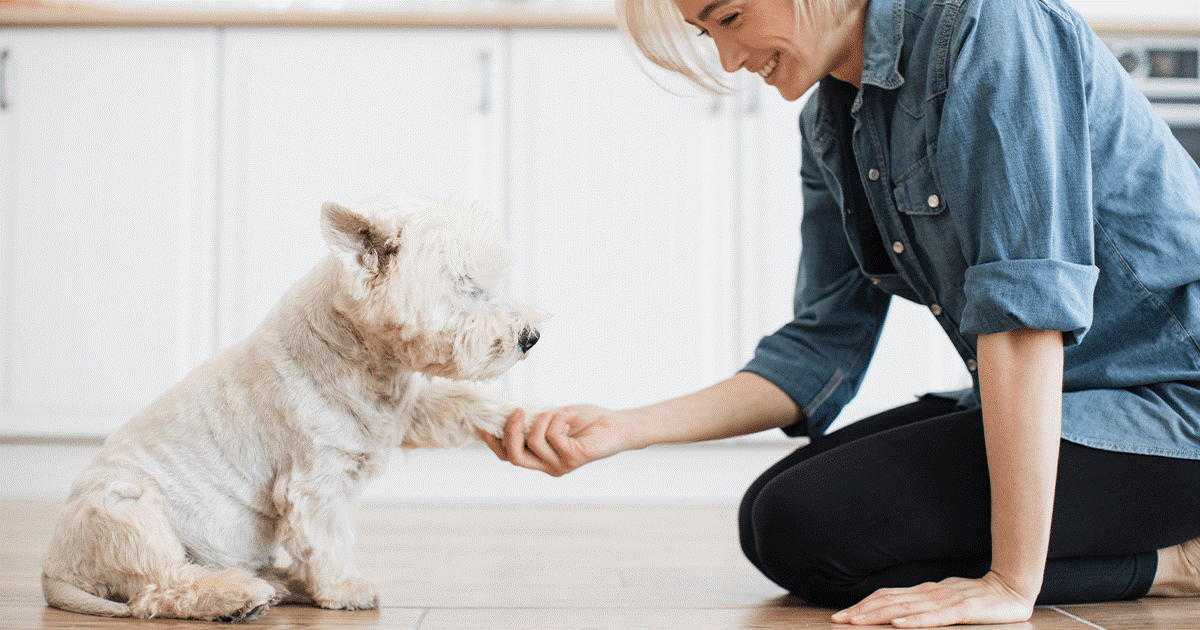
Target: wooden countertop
x,y
39,13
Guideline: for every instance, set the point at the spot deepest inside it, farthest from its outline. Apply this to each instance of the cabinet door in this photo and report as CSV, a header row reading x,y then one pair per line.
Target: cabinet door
x,y
313,115
107,190
621,211
769,208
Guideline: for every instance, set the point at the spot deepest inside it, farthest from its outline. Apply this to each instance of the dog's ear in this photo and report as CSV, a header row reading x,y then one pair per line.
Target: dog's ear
x,y
353,237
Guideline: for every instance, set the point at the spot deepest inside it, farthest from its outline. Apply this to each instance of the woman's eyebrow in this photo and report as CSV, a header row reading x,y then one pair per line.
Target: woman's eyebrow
x,y
712,6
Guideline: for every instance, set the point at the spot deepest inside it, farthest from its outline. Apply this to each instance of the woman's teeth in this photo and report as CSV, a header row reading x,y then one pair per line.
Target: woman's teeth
x,y
766,70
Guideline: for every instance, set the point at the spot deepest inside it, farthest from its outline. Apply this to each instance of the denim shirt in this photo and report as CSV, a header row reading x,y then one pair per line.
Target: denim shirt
x,y
1018,178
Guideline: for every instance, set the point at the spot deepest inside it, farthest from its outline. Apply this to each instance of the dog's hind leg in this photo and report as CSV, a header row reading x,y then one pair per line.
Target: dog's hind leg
x,y
190,591
118,544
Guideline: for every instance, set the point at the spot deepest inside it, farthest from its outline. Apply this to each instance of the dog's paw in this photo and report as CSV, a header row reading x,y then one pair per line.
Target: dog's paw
x,y
244,601
349,594
497,424
229,595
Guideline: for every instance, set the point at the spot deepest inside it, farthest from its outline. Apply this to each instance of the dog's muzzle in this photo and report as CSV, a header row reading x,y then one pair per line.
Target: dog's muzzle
x,y
527,339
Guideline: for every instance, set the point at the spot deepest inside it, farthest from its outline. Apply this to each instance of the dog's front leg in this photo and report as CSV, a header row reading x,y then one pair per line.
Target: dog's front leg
x,y
447,414
316,529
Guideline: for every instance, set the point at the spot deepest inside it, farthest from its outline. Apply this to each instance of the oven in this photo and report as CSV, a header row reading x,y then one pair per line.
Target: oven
x,y
1165,69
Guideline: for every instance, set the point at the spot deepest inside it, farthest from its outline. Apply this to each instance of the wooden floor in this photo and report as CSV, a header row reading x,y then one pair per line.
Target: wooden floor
x,y
534,568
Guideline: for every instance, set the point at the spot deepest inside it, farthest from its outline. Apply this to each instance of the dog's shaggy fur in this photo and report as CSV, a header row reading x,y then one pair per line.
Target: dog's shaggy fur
x,y
265,446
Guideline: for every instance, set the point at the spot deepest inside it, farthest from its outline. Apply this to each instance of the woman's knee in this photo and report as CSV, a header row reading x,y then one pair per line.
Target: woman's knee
x,y
798,541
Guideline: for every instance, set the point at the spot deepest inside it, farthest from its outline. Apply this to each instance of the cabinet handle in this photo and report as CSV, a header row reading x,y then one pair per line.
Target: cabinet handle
x,y
4,79
714,109
753,103
485,81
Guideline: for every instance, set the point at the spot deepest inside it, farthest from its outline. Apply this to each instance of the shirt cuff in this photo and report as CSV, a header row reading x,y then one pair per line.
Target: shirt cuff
x,y
1039,294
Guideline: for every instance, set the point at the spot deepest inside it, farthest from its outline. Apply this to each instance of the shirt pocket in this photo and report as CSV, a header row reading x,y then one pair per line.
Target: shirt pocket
x,y
917,192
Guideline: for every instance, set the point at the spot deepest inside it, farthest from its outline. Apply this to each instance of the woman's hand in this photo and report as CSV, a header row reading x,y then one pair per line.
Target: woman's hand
x,y
561,440
987,600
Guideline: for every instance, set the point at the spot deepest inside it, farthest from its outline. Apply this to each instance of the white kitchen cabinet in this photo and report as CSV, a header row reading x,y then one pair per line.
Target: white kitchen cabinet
x,y
768,210
107,145
312,115
621,215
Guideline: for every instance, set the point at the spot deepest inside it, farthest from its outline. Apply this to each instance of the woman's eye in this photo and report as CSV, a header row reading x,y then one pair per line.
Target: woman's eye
x,y
725,21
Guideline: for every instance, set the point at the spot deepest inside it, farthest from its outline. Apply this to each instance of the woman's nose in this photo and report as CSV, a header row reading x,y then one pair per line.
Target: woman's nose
x,y
732,54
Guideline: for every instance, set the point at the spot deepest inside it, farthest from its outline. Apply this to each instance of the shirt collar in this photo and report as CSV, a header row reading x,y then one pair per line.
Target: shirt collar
x,y
883,37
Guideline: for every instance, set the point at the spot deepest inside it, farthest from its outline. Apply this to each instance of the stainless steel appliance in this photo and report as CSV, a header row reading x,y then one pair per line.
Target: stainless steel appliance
x,y
1165,69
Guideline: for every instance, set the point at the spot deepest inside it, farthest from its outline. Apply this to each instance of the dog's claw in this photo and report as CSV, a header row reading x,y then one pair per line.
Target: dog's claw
x,y
245,615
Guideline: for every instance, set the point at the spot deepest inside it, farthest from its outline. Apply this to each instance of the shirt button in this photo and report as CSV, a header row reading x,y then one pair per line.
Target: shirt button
x,y
933,201
873,174
972,365
937,309
898,247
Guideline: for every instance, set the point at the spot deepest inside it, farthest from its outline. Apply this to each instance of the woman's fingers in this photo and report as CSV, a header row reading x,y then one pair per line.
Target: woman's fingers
x,y
537,443
898,607
559,441
514,446
951,601
884,605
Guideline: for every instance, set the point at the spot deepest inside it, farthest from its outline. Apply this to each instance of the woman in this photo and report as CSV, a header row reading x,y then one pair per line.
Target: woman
x,y
992,161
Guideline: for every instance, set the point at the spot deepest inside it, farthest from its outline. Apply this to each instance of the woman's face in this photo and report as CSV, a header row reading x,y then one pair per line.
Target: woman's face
x,y
761,36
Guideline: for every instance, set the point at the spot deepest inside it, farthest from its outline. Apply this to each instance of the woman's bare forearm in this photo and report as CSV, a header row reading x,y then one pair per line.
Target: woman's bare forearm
x,y
742,404
1020,376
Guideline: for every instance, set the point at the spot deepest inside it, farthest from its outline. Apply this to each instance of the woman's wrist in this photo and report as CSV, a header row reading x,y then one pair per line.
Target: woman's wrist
x,y
646,427
1025,582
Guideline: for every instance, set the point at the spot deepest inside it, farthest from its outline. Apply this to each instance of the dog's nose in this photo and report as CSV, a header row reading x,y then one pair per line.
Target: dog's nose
x,y
527,338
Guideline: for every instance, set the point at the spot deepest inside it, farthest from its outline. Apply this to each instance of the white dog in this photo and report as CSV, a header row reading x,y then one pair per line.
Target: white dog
x,y
266,445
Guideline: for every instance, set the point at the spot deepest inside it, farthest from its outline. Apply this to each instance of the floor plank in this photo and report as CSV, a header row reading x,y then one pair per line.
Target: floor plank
x,y
1150,613
470,567
764,617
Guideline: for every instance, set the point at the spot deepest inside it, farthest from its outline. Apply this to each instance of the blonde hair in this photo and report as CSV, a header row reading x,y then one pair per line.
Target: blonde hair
x,y
660,33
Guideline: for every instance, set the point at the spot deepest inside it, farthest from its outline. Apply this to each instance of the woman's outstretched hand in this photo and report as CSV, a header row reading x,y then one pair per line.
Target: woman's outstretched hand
x,y
987,600
561,440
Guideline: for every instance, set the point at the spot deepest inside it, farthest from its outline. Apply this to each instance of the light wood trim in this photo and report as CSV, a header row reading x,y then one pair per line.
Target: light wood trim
x,y
41,13
515,17
1106,26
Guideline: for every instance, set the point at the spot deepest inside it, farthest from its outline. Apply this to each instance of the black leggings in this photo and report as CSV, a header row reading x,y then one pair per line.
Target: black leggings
x,y
903,498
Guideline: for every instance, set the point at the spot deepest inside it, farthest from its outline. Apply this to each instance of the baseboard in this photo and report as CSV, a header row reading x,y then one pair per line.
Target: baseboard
x,y
43,469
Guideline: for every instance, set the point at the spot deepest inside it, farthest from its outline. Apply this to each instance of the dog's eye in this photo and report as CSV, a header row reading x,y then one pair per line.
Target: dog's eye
x,y
471,289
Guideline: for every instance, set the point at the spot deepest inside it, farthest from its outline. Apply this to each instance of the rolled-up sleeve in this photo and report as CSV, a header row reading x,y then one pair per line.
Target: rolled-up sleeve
x,y
1041,294
820,357
1014,131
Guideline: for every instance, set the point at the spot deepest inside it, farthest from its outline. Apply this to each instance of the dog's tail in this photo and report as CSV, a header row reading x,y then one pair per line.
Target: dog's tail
x,y
66,596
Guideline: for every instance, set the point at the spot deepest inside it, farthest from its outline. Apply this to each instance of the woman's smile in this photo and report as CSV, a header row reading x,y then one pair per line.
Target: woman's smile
x,y
769,68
